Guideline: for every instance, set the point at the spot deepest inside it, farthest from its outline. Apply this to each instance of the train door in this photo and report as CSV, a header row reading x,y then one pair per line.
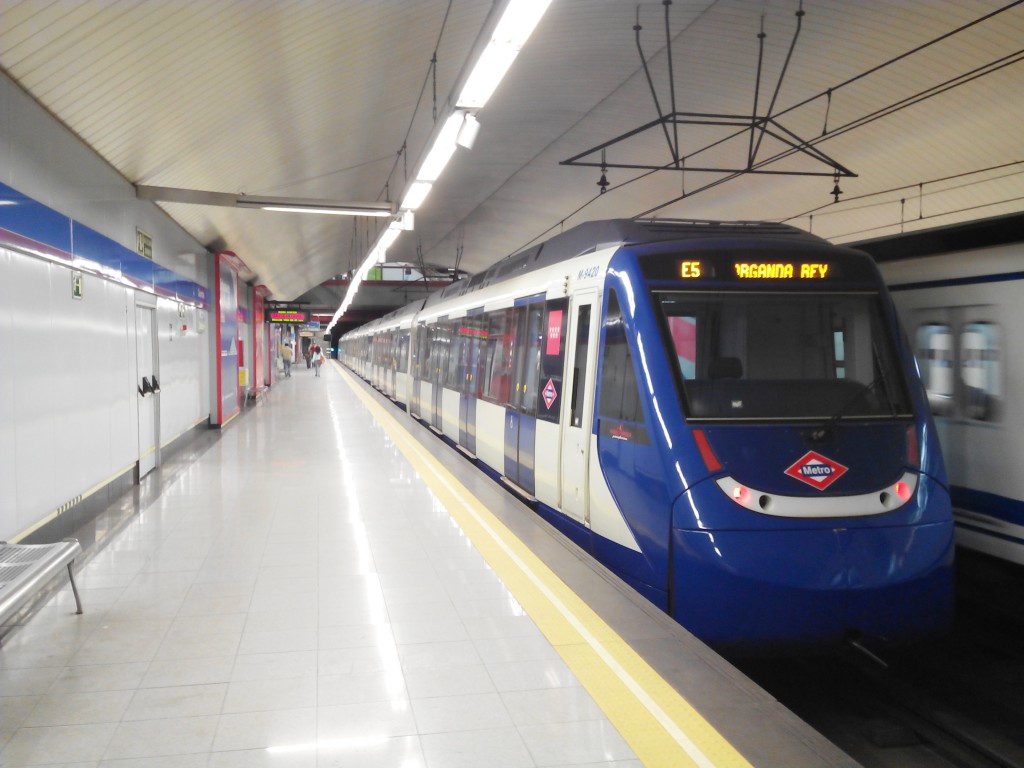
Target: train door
x,y
469,356
440,346
577,407
394,344
521,416
418,337
148,389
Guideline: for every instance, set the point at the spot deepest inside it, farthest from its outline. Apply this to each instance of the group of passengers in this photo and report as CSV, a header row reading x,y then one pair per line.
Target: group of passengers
x,y
313,354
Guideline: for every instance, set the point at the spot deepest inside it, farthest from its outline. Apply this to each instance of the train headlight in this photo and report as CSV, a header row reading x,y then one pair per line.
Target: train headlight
x,y
858,505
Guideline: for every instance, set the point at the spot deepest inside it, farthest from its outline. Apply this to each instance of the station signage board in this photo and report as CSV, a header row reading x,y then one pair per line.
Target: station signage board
x,y
288,316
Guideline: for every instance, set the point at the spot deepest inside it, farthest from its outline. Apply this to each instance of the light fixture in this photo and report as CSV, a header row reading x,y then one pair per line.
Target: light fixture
x,y
468,132
316,206
417,193
514,28
518,20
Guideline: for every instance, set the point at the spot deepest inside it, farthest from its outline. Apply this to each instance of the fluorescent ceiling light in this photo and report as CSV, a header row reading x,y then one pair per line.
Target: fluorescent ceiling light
x,y
417,193
442,150
514,28
329,211
316,206
387,237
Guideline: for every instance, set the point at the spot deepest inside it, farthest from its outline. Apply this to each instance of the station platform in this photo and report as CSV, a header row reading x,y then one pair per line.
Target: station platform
x,y
325,583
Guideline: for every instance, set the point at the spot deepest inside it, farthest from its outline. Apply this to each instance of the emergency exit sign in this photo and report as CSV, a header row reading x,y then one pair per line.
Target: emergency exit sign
x,y
143,243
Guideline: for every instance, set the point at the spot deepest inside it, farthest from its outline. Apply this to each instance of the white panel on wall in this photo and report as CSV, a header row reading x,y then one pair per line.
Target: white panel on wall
x,y
8,367
180,371
35,347
90,364
120,403
68,418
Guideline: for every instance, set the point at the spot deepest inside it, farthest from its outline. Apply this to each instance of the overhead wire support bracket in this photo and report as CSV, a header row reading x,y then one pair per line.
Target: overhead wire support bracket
x,y
744,124
756,126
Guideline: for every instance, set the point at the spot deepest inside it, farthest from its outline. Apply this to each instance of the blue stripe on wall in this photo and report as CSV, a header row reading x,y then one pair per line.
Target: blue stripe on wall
x,y
972,280
25,219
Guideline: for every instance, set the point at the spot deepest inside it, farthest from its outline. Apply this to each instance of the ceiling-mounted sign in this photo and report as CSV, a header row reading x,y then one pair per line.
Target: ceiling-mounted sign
x,y
288,316
77,285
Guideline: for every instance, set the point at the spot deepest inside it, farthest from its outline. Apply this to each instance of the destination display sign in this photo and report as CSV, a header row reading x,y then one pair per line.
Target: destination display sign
x,y
778,267
693,269
288,316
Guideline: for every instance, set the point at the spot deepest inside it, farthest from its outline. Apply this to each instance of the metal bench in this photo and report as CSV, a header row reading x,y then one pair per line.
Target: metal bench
x,y
26,568
253,394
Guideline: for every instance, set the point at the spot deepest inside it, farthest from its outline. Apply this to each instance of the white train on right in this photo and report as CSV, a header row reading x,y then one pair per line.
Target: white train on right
x,y
964,312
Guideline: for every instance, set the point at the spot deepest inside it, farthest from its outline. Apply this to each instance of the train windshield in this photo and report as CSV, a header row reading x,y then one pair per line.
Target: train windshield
x,y
783,356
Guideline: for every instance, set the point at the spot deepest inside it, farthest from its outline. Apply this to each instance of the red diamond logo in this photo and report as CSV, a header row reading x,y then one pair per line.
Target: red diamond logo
x,y
816,470
549,393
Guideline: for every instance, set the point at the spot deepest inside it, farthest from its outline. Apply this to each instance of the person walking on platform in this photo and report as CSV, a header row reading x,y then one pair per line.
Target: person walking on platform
x,y
286,356
318,358
308,354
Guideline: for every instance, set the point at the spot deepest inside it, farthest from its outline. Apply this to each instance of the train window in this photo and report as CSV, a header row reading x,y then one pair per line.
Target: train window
x,y
579,375
552,360
465,341
754,356
420,353
683,331
935,359
980,370
477,326
839,353
495,385
620,395
440,347
455,374
528,354
403,352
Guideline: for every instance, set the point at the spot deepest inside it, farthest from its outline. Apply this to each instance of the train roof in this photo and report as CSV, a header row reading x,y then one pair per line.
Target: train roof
x,y
596,235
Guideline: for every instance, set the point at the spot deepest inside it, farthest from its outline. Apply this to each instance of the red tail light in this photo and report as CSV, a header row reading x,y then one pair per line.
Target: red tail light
x,y
913,453
710,460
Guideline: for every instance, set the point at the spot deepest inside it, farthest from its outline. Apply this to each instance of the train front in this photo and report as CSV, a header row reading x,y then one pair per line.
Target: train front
x,y
813,503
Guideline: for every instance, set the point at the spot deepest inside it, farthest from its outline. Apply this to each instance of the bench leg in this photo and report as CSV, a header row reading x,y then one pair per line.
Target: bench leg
x,y
74,587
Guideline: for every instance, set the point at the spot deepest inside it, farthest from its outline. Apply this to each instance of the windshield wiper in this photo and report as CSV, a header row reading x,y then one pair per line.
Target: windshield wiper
x,y
890,403
823,432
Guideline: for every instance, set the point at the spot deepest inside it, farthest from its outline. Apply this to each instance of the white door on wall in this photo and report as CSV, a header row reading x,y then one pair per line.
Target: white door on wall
x,y
148,388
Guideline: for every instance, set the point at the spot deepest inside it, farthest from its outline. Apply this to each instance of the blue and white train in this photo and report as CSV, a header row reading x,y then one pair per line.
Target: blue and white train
x,y
963,306
724,414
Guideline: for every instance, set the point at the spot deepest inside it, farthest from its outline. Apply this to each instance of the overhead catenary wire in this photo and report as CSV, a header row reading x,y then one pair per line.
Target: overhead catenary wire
x,y
431,74
828,93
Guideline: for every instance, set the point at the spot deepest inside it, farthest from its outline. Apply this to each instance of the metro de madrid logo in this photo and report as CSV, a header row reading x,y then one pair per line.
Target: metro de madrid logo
x,y
816,470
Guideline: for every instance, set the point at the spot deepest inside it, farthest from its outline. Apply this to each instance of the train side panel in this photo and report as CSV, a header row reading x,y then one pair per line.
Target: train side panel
x,y
963,313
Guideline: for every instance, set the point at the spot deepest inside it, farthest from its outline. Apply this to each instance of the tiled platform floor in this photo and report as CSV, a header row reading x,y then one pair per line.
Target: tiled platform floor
x,y
294,597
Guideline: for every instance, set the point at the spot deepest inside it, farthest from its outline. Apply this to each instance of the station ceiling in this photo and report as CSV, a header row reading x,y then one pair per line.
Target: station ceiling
x,y
918,103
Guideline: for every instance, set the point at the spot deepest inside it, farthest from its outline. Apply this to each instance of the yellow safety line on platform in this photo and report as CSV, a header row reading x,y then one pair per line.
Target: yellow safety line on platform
x,y
659,725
